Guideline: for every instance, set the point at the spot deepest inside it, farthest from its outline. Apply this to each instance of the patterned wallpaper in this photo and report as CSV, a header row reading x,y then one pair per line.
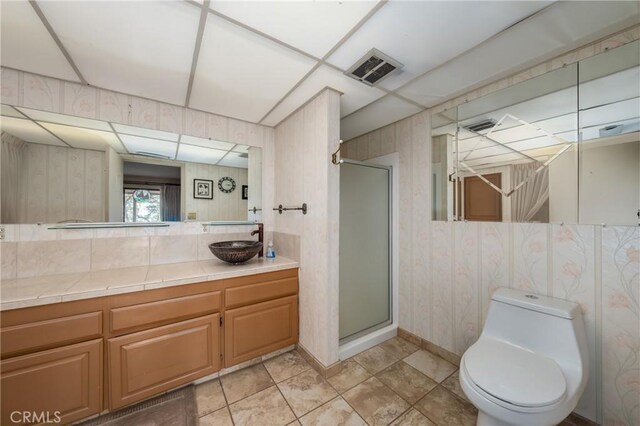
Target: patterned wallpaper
x,y
448,270
304,143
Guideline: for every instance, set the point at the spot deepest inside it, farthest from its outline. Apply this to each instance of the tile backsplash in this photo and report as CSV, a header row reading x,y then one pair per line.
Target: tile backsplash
x,y
34,250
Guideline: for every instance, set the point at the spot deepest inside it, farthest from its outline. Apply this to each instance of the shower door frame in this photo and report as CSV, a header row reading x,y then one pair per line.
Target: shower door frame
x,y
389,321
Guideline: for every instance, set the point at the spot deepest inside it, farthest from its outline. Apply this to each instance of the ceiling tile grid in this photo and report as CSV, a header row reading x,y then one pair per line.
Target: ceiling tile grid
x,y
378,114
355,95
241,74
311,26
28,130
424,34
141,48
49,128
482,63
255,58
26,44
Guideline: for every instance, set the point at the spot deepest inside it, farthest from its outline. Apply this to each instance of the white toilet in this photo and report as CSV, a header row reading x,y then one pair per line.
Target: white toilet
x,y
529,367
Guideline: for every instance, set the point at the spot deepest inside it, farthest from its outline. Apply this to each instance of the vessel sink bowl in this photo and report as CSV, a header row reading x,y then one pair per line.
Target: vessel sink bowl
x,y
235,251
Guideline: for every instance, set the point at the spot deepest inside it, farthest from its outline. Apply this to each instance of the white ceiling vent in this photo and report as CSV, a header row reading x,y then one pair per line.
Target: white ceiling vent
x,y
373,67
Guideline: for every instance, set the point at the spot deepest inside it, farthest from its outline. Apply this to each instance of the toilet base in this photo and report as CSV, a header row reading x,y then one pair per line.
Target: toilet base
x,y
486,420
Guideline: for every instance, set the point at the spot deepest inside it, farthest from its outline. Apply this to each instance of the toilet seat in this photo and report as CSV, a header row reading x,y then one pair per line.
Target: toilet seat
x,y
513,377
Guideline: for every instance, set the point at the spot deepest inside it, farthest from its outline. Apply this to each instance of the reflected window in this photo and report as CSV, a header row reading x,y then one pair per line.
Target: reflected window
x,y
142,205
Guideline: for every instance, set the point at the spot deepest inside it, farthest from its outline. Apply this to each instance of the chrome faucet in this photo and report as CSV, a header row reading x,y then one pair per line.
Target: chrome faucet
x,y
260,232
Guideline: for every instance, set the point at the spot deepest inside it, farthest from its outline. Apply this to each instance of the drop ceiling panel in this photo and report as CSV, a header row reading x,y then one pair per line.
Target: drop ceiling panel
x,y
147,133
9,111
424,34
566,26
141,48
378,114
355,94
85,138
28,131
69,120
198,154
235,159
137,144
27,45
313,27
241,148
207,143
241,74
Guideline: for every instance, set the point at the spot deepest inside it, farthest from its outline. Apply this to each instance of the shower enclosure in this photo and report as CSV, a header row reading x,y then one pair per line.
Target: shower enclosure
x,y
365,249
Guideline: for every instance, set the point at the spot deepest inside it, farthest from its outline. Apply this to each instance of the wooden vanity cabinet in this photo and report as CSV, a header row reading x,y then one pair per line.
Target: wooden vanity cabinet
x,y
261,328
261,315
146,363
105,353
64,383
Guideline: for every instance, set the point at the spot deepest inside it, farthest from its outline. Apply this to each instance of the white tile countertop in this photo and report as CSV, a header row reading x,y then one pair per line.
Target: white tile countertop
x,y
24,292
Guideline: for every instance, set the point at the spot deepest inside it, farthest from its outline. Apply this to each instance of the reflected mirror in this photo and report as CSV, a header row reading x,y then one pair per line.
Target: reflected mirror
x,y
560,147
516,152
64,169
444,128
609,104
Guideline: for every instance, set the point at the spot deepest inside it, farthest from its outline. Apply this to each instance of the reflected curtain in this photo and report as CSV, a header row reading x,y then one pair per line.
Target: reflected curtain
x,y
171,203
13,155
527,200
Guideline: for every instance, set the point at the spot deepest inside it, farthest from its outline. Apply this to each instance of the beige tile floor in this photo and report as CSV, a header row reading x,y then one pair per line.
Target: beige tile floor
x,y
394,383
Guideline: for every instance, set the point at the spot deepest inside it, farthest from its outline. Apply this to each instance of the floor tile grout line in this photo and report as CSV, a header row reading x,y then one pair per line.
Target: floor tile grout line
x,y
353,408
288,405
251,394
226,401
341,394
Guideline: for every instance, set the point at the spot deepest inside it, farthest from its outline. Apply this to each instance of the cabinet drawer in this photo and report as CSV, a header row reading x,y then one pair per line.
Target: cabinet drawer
x,y
254,293
147,315
50,333
67,380
146,363
258,329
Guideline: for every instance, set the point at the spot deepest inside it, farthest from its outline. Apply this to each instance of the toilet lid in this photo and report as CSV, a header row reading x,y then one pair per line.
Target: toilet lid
x,y
513,374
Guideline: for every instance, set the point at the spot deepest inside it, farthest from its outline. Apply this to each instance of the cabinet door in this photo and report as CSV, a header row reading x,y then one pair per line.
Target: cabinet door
x,y
258,329
146,363
63,383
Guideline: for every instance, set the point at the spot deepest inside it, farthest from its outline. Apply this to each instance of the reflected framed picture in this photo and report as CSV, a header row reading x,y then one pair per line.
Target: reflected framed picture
x,y
203,189
245,192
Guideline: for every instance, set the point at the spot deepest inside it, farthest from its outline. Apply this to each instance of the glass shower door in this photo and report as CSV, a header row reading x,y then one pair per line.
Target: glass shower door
x,y
365,249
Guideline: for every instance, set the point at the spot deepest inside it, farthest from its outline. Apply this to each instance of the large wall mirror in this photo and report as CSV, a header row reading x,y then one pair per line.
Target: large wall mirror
x,y
63,169
563,147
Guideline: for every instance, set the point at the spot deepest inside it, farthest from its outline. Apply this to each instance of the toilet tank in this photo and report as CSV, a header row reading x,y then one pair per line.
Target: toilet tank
x,y
542,324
